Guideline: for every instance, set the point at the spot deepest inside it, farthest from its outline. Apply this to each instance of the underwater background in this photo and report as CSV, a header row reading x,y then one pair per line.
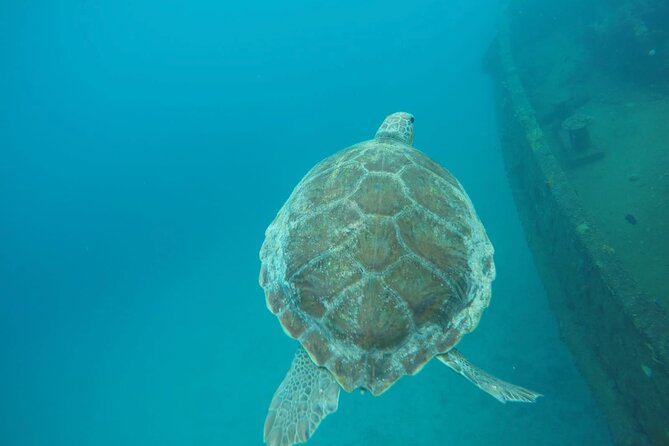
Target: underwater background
x,y
145,148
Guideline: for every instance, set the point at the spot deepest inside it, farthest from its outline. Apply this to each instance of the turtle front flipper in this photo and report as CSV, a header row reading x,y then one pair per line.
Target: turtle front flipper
x,y
501,390
306,395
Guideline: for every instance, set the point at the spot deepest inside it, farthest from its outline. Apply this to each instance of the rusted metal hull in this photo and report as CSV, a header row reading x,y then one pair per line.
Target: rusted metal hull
x,y
619,337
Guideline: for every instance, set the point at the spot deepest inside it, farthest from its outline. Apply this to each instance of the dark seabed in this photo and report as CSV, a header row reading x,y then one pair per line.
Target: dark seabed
x,y
146,147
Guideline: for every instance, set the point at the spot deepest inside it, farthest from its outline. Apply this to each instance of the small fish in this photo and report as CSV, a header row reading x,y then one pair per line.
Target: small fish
x,y
631,219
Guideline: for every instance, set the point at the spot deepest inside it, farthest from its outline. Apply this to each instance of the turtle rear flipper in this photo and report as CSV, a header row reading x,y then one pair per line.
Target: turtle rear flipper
x,y
501,390
306,395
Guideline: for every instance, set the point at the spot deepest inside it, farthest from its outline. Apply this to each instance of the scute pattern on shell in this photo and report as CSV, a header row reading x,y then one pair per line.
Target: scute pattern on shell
x,y
376,263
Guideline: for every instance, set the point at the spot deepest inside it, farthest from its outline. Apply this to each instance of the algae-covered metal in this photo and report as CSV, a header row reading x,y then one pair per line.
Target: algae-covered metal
x,y
610,315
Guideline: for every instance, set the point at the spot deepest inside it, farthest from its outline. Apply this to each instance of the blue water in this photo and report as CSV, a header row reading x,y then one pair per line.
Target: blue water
x,y
145,146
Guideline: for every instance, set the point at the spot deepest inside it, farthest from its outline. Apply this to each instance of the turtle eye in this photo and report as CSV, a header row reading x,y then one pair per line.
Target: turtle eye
x,y
412,119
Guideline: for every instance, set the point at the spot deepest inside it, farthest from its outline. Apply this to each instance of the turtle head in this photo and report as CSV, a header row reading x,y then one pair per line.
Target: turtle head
x,y
398,126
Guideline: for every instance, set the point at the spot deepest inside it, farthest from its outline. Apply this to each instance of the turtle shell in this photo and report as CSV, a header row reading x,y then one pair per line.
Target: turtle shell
x,y
376,263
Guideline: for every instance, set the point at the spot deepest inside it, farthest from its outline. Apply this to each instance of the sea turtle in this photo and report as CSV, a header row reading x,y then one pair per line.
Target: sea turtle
x,y
375,264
